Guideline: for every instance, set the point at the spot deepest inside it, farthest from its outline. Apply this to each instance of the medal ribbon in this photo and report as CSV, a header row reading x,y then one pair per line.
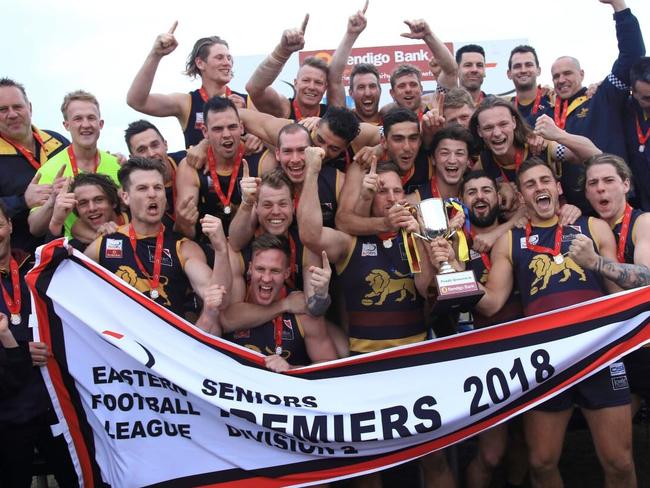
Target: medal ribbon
x,y
204,94
538,99
73,161
639,133
212,164
484,256
277,326
412,253
434,188
542,249
154,280
622,237
408,175
519,158
27,154
560,118
13,303
298,113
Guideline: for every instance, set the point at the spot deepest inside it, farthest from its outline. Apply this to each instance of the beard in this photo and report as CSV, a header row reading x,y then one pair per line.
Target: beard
x,y
484,221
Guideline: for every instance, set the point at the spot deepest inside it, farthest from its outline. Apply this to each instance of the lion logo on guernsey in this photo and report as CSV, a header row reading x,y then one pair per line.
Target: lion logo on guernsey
x,y
382,285
544,268
125,273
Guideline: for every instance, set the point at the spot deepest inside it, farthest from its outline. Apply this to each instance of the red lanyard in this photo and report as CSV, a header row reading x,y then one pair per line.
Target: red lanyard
x,y
435,193
560,119
519,158
546,250
408,175
13,304
277,326
622,236
204,94
387,238
298,113
420,115
27,154
639,133
484,256
73,161
538,98
292,266
212,164
154,280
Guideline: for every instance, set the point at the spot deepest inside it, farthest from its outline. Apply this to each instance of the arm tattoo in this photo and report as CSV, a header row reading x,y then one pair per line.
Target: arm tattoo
x,y
318,305
624,275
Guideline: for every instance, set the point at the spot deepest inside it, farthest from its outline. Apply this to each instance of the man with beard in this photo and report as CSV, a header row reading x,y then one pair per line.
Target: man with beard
x,y
504,136
289,338
480,196
82,118
606,409
310,84
607,182
23,149
530,99
26,416
210,59
471,70
94,199
154,260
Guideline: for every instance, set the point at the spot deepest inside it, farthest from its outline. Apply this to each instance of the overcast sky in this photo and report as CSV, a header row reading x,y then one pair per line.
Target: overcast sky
x,y
56,47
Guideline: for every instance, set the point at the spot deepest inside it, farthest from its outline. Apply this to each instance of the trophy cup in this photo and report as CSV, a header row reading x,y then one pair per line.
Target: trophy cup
x,y
457,290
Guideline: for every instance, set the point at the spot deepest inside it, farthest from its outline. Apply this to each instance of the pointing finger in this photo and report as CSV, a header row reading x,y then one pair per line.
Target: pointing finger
x,y
365,7
303,27
173,28
246,171
373,165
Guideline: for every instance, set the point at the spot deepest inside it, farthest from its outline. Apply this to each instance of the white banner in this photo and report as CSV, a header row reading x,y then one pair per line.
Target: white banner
x,y
147,399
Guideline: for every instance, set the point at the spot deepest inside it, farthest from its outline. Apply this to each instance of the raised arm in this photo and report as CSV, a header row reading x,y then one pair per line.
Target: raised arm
x,y
576,149
139,96
310,216
500,280
264,97
630,40
419,29
187,197
265,126
335,90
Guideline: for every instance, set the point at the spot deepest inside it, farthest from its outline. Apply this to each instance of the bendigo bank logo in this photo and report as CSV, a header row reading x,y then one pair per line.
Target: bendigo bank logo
x,y
545,268
382,286
133,348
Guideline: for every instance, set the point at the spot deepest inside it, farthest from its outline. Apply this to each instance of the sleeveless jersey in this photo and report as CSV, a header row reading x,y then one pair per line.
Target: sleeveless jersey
x,y
421,174
322,108
526,111
209,202
628,252
501,174
116,255
262,340
544,284
192,132
383,305
329,186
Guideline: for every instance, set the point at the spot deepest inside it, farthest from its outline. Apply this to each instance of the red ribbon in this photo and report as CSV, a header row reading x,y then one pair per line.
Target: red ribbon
x,y
154,280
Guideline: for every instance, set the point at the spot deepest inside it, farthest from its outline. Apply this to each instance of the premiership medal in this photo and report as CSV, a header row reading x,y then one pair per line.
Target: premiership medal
x,y
278,350
227,210
154,279
642,148
643,138
387,243
14,302
558,258
15,319
154,294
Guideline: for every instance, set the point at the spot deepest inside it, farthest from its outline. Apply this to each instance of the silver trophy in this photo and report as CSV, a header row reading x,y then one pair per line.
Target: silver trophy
x,y
434,223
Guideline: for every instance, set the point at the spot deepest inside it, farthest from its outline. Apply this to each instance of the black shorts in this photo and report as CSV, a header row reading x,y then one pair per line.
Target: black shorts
x,y
607,388
637,365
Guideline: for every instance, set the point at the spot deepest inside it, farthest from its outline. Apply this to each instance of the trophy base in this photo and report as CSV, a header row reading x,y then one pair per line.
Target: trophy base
x,y
457,291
